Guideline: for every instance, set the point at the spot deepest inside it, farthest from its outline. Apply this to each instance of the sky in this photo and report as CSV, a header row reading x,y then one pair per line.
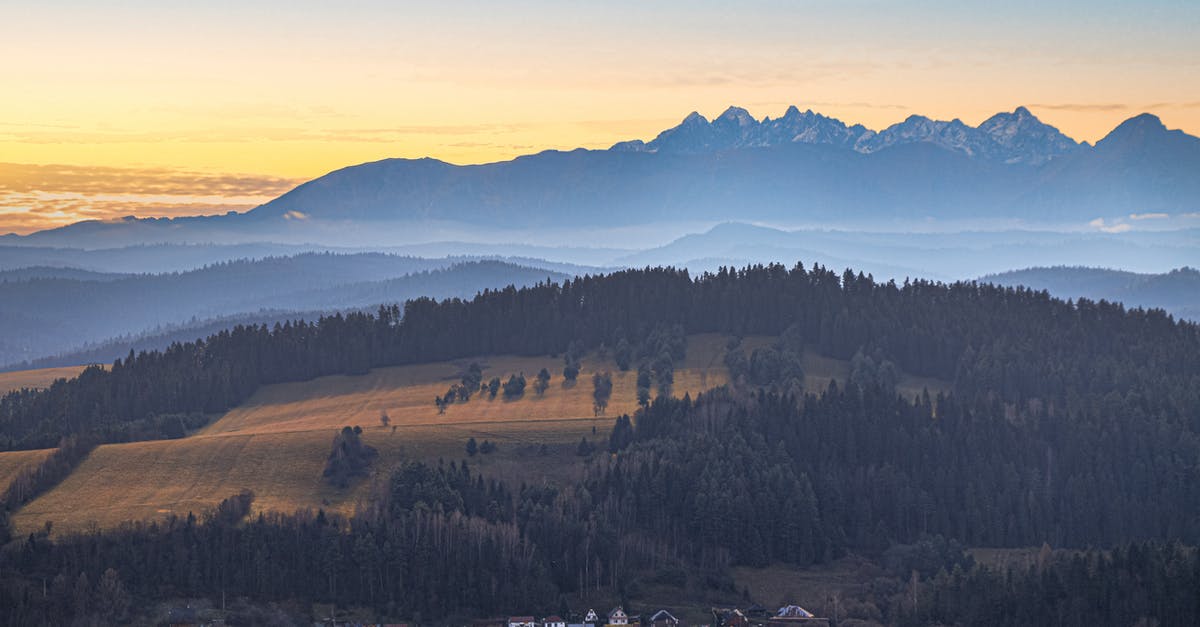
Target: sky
x,y
113,108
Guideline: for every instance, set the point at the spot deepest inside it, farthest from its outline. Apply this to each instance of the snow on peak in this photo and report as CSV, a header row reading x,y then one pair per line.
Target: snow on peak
x,y
1016,137
738,116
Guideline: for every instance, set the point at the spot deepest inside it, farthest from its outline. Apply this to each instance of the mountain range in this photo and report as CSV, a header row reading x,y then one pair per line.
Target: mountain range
x,y
802,169
1017,137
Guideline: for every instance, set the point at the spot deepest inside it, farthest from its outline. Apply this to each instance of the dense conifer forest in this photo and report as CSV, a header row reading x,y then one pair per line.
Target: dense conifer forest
x,y
1070,423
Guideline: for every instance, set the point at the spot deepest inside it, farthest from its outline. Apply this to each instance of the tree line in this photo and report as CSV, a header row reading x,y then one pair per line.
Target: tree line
x,y
1073,423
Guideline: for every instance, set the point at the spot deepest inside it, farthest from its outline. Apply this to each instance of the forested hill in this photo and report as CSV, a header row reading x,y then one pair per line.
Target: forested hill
x,y
1011,344
43,316
1075,423
1177,291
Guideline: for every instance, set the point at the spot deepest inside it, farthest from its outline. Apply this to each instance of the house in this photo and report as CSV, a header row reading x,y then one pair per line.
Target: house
x,y
522,621
662,618
591,618
618,616
729,617
795,615
554,621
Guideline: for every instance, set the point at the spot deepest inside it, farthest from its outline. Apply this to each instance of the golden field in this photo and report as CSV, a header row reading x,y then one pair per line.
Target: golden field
x,y
40,378
276,443
13,462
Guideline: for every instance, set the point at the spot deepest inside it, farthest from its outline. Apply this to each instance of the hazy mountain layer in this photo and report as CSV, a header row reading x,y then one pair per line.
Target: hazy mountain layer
x,y
1177,291
46,316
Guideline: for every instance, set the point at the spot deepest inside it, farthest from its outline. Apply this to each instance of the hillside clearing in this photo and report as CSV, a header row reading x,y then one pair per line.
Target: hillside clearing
x,y
41,378
13,462
276,443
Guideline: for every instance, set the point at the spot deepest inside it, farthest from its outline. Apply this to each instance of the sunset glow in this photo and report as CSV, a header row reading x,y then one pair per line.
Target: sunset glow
x,y
148,109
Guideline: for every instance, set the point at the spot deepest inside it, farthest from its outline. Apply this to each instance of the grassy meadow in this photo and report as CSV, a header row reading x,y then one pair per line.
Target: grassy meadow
x,y
276,443
41,378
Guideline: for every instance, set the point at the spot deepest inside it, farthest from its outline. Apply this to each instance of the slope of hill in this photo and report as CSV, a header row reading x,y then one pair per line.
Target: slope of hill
x,y
1177,291
1067,423
297,421
36,378
159,338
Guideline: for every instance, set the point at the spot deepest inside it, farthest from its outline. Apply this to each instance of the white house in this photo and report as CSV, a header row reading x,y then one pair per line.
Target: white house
x,y
663,618
554,621
591,618
618,617
522,621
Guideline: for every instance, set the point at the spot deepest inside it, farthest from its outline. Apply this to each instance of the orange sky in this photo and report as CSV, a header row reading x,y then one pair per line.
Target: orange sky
x,y
169,110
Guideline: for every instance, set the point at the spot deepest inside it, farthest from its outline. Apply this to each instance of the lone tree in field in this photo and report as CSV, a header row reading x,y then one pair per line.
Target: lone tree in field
x,y
571,365
570,373
515,386
493,387
602,383
542,382
472,378
349,457
384,419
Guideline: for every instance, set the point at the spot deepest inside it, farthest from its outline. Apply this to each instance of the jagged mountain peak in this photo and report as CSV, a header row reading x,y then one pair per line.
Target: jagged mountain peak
x,y
1024,138
737,116
1016,137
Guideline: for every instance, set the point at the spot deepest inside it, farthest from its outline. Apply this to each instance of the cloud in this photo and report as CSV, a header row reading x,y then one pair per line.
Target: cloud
x,y
1115,106
57,178
34,197
53,135
1118,227
1071,106
1149,216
